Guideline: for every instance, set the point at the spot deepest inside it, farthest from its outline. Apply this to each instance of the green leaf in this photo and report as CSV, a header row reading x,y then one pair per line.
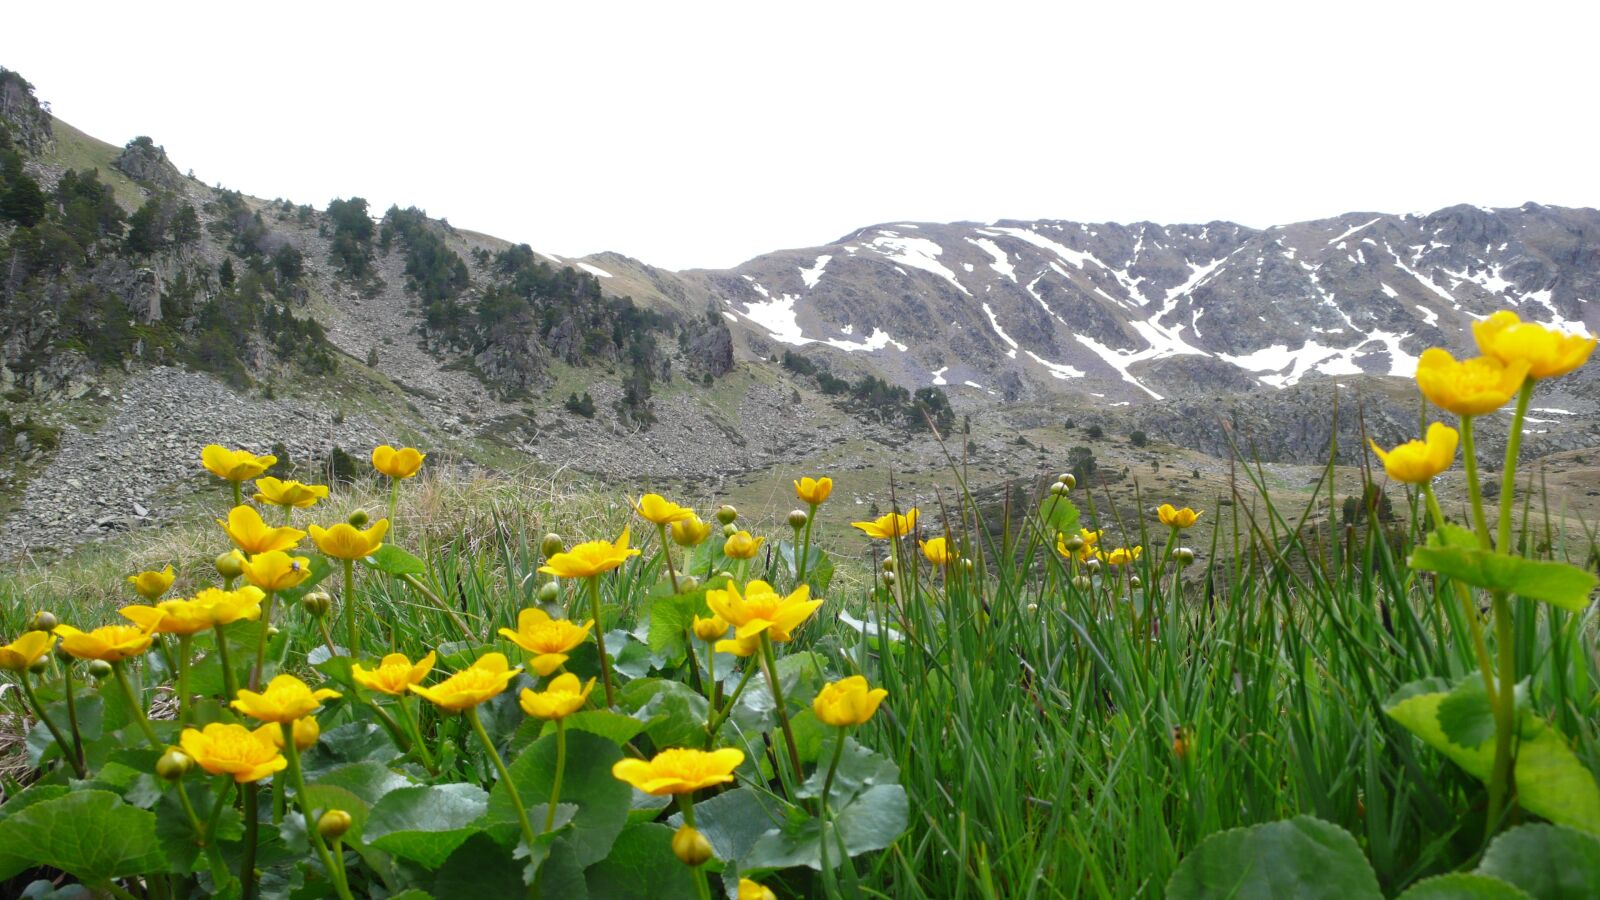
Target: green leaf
x,y
91,835
602,800
426,824
1059,515
1547,861
1302,857
321,568
1556,583
871,822
176,833
1463,886
1550,779
859,769
734,820
392,560
674,715
641,867
670,617
352,742
614,727
1453,536
479,869
1465,715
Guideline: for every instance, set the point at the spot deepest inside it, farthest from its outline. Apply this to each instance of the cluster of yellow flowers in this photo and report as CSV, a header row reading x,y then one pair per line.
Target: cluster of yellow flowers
x,y
1515,355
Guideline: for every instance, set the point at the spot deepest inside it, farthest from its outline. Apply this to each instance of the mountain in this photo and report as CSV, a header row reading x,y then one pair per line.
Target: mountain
x,y
144,313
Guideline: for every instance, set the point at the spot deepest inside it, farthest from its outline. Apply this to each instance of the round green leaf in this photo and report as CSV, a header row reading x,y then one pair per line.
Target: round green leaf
x,y
641,867
426,824
1463,886
1301,858
1549,862
601,799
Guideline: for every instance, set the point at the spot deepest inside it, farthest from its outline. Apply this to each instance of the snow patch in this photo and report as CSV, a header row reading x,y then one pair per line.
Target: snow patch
x,y
1001,264
994,322
918,253
1346,234
594,270
814,274
938,375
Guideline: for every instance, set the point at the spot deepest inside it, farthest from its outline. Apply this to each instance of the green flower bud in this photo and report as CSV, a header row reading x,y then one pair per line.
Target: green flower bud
x,y
359,519
173,764
1135,581
729,530
99,669
726,514
43,621
1073,543
797,519
1184,555
688,584
1082,582
1068,479
230,565
691,847
549,592
40,665
333,824
317,603
888,564
1058,489
551,545
888,578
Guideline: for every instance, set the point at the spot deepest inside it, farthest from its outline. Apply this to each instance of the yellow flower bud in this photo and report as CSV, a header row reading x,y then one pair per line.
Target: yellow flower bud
x,y
333,824
551,545
549,592
99,669
359,519
230,564
1068,479
1184,555
43,621
173,764
691,847
317,603
726,514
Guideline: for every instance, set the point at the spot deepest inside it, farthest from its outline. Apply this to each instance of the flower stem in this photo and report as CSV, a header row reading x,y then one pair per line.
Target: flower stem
x,y
600,640
184,642
38,710
686,805
417,742
1508,474
394,501
805,554
666,554
72,716
351,635
121,668
561,769
718,715
1468,608
771,661
238,497
219,868
1469,459
229,681
505,777
252,826
833,768
188,810
335,873
261,640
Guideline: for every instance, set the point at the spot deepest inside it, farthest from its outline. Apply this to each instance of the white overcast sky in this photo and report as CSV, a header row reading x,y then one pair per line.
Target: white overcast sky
x,y
701,134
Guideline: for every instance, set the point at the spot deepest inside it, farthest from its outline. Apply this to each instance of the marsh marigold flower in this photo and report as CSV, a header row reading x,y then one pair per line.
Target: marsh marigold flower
x,y
814,491
550,639
890,525
234,465
285,699
306,733
1548,353
1177,518
109,643
253,535
937,552
1086,544
24,651
762,609
484,679
743,648
690,532
849,701
402,463
152,584
345,541
660,510
395,674
564,696
289,493
590,558
227,607
680,770
233,750
170,617
712,629
1122,556
754,890
740,545
1470,388
1417,461
277,570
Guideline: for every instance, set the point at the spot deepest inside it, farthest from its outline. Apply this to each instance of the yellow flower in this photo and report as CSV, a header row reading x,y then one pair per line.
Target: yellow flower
x,y
679,770
660,510
551,639
233,750
111,643
1471,388
890,525
484,679
849,701
1546,352
814,491
151,585
742,546
1122,556
403,463
227,607
711,629
306,733
1417,461
289,493
234,465
563,697
936,551
277,570
589,558
22,652
170,617
1177,518
252,535
345,541
761,609
395,674
690,532
753,890
740,647
286,698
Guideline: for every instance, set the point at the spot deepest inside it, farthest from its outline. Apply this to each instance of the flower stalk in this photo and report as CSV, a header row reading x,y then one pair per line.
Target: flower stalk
x,y
600,640
38,710
120,667
505,777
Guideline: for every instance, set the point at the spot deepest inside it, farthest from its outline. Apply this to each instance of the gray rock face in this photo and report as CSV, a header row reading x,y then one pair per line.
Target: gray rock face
x,y
145,162
23,115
